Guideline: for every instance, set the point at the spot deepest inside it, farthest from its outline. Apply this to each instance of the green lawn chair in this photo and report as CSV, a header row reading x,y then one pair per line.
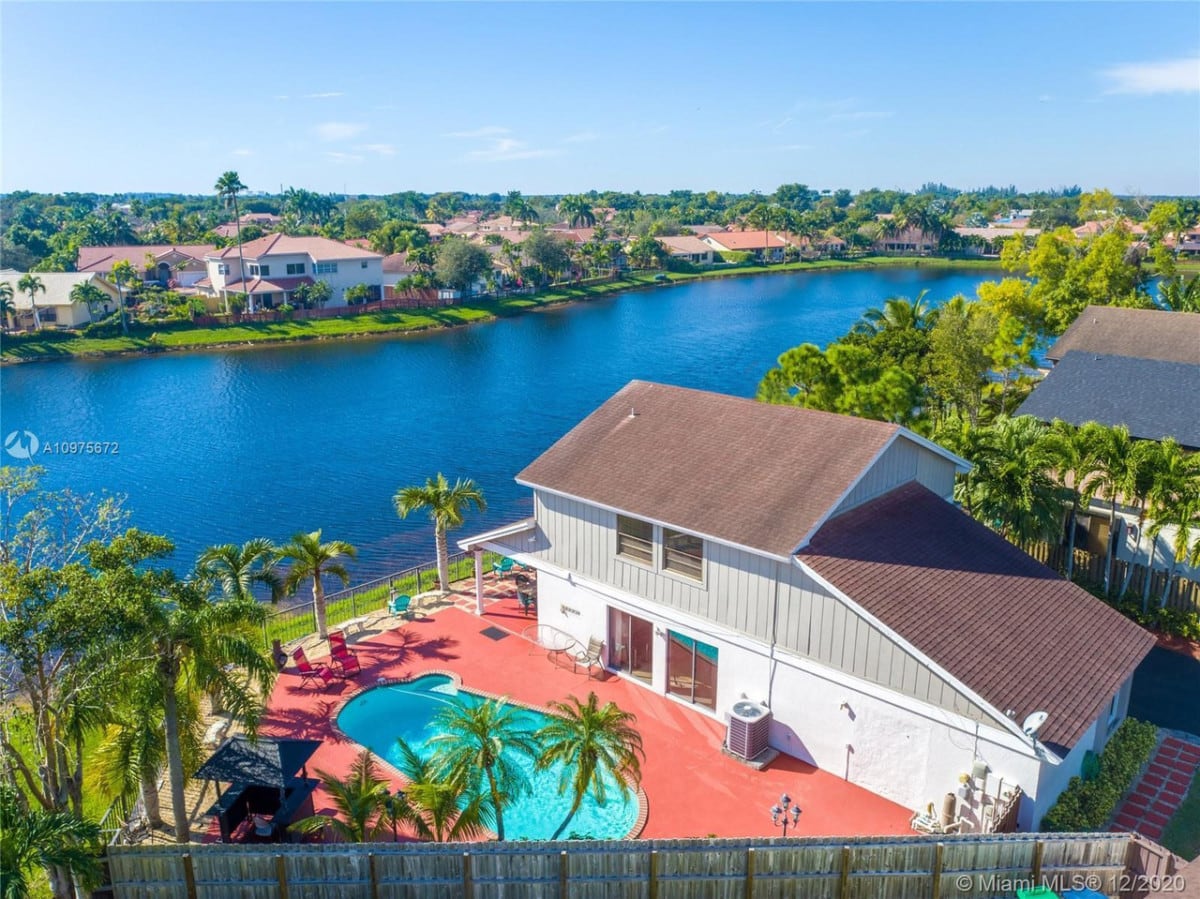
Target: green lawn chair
x,y
503,567
400,605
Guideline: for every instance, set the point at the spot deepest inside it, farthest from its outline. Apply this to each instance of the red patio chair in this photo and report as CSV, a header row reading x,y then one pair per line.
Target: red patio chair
x,y
339,652
310,672
349,664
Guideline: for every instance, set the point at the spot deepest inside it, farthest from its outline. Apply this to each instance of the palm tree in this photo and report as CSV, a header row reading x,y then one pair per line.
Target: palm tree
x,y
1172,498
53,841
311,558
8,311
483,738
32,284
1072,463
123,274
89,295
361,800
195,643
1180,511
577,210
1144,479
1110,452
1180,293
438,807
445,505
228,186
898,314
590,742
238,568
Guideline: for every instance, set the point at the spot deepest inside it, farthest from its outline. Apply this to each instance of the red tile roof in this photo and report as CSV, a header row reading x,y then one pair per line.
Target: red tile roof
x,y
747,240
267,285
748,473
1140,333
101,259
318,248
1005,625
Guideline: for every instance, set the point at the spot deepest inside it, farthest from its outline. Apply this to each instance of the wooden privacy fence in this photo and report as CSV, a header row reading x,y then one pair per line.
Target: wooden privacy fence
x,y
1089,568
963,867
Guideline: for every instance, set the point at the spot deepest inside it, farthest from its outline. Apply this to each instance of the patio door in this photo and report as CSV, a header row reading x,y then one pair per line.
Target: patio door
x,y
691,670
631,644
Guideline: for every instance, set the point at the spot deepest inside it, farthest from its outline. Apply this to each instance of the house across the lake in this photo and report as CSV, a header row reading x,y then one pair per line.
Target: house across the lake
x,y
778,564
170,265
56,308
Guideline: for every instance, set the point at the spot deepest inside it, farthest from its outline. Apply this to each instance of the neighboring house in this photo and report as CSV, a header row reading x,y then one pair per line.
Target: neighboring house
x,y
55,306
688,248
989,241
171,265
819,245
396,268
727,550
1134,367
264,220
277,264
765,246
908,240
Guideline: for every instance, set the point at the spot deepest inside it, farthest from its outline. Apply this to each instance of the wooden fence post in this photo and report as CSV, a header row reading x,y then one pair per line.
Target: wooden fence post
x,y
844,876
750,873
1039,849
936,887
281,876
189,875
564,863
468,888
373,875
653,882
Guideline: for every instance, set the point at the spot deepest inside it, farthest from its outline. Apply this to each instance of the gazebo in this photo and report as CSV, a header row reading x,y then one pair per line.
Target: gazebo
x,y
268,782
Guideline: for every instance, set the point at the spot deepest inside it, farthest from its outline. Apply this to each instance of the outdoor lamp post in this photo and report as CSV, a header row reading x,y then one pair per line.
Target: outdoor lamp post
x,y
392,803
779,813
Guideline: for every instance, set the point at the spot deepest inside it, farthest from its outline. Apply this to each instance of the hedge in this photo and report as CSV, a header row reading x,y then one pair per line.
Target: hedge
x,y
1086,805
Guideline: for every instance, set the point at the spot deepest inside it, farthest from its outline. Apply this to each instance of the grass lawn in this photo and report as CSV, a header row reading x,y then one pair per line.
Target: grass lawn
x,y
1182,835
183,335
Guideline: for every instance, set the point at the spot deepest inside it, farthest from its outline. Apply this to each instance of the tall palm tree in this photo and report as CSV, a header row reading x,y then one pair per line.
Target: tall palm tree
x,y
1143,479
1180,511
237,569
89,295
361,801
123,274
483,739
195,643
445,505
8,311
439,806
54,841
1110,452
590,741
228,186
311,558
1175,479
1072,463
577,210
32,285
898,314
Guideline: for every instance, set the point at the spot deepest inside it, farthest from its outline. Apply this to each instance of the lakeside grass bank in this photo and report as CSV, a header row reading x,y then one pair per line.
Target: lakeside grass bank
x,y
178,336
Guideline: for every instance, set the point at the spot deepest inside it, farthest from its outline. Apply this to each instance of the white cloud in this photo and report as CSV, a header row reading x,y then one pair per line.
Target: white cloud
x,y
503,149
486,131
336,156
324,95
242,151
859,115
581,137
281,96
331,131
1169,76
378,149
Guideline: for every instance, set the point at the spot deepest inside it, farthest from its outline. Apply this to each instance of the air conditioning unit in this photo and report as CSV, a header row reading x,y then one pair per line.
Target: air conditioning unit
x,y
749,724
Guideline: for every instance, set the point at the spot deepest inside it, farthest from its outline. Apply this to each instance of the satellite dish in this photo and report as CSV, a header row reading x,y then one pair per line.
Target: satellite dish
x,y
1033,724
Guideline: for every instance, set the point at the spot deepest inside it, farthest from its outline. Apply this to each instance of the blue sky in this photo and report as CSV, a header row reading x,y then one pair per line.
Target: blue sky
x,y
553,98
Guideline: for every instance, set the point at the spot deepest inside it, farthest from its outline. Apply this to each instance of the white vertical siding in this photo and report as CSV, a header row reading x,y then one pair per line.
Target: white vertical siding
x,y
902,462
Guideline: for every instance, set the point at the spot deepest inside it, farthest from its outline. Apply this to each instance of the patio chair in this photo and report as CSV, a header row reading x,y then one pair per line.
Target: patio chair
x,y
527,600
503,567
348,664
310,672
399,605
590,656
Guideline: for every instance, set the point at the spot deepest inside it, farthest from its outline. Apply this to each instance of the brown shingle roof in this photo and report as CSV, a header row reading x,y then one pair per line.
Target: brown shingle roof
x,y
1007,626
747,473
1140,333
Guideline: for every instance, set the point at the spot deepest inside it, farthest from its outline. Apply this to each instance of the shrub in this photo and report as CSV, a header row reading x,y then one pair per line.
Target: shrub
x,y
1087,805
1180,622
107,327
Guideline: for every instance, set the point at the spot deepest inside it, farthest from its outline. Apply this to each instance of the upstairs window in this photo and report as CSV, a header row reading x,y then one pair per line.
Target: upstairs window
x,y
635,539
295,268
683,554
222,268
260,271
325,268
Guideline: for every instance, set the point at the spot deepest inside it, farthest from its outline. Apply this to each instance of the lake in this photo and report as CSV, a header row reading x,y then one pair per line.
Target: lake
x,y
222,446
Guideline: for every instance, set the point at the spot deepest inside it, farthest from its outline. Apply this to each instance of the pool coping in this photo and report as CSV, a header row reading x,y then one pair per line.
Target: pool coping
x,y
643,800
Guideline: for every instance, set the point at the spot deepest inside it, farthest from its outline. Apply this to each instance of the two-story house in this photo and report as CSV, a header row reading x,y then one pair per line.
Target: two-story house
x,y
277,264
727,550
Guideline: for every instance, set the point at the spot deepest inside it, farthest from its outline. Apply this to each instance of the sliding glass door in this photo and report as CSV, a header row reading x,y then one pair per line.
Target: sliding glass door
x,y
692,670
631,644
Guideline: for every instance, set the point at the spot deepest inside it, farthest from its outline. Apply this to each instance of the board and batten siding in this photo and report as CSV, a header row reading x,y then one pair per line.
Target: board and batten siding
x,y
902,462
739,593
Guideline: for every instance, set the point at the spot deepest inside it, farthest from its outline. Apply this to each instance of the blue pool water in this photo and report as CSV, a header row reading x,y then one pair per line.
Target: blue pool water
x,y
375,718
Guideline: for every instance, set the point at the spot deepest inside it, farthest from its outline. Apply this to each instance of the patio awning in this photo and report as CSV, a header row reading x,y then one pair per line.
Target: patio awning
x,y
509,530
266,762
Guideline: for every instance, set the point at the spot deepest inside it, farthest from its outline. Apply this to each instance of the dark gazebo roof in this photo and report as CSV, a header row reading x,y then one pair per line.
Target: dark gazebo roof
x,y
265,762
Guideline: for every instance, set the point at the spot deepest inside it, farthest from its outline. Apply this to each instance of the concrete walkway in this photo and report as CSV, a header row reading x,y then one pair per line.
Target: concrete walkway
x,y
1157,796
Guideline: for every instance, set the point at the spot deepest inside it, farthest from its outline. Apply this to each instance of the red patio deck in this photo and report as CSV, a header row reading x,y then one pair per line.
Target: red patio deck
x,y
693,789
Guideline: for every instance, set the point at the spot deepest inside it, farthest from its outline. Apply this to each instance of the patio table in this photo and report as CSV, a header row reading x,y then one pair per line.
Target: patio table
x,y
557,643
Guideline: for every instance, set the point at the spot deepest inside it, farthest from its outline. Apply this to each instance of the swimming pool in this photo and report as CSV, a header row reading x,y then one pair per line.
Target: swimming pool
x,y
376,717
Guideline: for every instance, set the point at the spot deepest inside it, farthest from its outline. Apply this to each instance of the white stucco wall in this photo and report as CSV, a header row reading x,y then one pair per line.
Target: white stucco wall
x,y
905,750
